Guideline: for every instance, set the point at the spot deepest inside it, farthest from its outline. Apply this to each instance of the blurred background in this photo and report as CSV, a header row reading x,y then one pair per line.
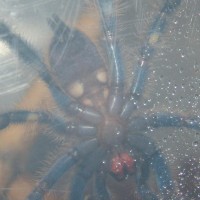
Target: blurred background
x,y
173,84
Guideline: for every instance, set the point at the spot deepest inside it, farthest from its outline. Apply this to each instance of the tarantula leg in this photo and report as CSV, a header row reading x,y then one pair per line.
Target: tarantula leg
x,y
163,178
87,169
155,159
142,143
157,28
61,166
19,117
101,192
69,105
158,120
29,56
143,166
162,173
145,193
57,123
174,120
143,172
115,101
22,48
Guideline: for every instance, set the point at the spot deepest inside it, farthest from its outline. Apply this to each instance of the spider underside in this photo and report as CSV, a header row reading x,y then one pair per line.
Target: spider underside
x,y
103,115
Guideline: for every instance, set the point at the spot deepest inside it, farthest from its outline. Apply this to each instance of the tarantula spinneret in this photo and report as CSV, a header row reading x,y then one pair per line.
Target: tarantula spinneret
x,y
101,110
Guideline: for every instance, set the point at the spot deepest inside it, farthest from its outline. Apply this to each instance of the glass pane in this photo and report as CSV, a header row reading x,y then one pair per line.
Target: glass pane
x,y
57,71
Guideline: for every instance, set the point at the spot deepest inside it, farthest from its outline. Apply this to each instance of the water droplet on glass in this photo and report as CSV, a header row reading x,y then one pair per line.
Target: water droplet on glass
x,y
195,143
164,139
182,55
175,22
181,70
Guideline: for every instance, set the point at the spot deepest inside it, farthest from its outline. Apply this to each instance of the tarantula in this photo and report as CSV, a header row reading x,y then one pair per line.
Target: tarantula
x,y
102,112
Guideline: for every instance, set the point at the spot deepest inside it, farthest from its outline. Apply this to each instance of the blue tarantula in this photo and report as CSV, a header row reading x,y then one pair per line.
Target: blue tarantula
x,y
100,109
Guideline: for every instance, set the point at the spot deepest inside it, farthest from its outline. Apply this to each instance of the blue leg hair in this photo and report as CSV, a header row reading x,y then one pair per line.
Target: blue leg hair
x,y
101,192
106,9
142,143
145,145
29,56
24,116
163,178
86,171
61,166
89,151
156,161
21,47
146,193
58,124
158,120
146,53
141,182
138,142
162,173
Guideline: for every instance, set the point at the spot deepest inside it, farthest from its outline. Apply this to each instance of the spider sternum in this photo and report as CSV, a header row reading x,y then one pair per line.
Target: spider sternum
x,y
111,131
